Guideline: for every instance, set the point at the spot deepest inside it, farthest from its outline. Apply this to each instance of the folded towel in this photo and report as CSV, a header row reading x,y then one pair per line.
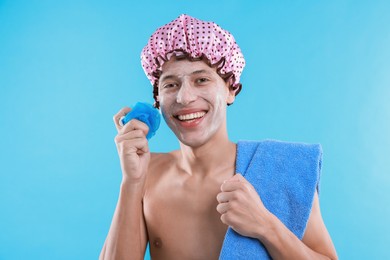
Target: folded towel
x,y
285,175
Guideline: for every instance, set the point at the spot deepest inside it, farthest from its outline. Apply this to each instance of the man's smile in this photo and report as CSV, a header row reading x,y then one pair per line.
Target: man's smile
x,y
189,118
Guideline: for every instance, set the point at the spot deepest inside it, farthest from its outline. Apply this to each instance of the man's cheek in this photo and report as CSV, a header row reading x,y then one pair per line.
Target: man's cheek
x,y
161,99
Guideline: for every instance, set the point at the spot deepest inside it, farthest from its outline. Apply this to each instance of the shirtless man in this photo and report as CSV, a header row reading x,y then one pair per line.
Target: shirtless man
x,y
182,202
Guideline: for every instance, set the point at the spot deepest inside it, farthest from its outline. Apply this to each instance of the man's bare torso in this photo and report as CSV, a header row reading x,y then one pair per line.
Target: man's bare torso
x,y
180,209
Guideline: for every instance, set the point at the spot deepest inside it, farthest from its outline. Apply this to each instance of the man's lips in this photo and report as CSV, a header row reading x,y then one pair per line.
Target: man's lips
x,y
189,118
188,115
192,116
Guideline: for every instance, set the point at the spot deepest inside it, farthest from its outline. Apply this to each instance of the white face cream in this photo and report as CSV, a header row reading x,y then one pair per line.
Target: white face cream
x,y
193,100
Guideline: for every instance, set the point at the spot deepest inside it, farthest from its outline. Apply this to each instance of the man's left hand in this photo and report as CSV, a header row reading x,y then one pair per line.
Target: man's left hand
x,y
241,207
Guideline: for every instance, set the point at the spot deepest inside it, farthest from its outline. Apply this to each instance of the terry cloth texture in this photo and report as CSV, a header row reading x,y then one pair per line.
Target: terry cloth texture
x,y
285,175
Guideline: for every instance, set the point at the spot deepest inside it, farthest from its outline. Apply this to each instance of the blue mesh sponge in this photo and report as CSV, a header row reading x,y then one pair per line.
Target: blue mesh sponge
x,y
146,113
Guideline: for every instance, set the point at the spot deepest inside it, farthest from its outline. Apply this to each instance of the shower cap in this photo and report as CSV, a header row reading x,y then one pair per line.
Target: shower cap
x,y
197,39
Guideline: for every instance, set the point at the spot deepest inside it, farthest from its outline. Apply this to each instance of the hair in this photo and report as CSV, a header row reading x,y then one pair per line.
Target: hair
x,y
181,55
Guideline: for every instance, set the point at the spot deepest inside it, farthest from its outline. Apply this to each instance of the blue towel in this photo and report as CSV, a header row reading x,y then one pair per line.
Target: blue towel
x,y
285,175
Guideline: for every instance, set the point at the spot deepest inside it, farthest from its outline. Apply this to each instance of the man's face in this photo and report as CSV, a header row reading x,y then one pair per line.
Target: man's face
x,y
193,100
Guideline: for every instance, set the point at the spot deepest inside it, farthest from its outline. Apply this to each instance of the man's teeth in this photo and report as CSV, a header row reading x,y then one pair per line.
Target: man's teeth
x,y
191,116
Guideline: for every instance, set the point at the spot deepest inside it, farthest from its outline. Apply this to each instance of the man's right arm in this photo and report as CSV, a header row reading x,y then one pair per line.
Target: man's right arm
x,y
127,237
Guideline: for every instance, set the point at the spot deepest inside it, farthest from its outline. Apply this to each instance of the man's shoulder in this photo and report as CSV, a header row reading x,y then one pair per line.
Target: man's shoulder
x,y
163,161
157,158
160,167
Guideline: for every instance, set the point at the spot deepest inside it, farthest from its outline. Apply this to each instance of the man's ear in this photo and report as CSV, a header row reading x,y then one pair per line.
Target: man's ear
x,y
231,95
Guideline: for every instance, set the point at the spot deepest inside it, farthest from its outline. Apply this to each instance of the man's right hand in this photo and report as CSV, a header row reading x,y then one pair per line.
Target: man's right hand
x,y
127,237
132,147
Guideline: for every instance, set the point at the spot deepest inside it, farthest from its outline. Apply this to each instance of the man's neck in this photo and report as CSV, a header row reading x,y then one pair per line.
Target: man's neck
x,y
217,155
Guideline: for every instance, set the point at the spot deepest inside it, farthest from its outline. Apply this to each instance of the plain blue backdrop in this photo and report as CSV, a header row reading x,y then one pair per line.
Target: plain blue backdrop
x,y
317,71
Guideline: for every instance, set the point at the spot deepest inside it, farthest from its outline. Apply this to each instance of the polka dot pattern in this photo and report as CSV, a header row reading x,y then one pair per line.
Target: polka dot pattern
x,y
195,37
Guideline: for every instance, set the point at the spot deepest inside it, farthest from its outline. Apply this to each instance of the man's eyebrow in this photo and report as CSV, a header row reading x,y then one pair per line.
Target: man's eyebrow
x,y
200,72
167,77
171,76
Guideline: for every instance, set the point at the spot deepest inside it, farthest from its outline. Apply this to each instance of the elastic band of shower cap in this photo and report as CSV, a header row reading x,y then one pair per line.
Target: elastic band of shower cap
x,y
198,40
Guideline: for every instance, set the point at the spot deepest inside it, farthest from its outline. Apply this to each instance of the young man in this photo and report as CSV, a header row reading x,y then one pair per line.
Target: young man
x,y
194,203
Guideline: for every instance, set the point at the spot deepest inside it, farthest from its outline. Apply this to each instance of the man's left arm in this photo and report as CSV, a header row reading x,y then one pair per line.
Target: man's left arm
x,y
242,209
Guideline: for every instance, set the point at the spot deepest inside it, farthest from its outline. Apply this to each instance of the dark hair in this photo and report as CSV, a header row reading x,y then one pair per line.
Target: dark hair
x,y
181,55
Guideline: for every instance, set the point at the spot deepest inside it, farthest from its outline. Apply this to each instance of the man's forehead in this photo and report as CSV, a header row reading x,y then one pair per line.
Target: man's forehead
x,y
181,68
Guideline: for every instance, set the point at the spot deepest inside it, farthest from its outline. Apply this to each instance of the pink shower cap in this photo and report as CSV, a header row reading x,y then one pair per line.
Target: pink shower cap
x,y
196,38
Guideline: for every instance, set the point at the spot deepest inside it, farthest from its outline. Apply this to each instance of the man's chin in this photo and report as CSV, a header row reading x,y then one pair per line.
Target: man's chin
x,y
191,141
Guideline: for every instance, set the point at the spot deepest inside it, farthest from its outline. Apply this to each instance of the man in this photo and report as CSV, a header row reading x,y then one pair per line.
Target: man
x,y
184,202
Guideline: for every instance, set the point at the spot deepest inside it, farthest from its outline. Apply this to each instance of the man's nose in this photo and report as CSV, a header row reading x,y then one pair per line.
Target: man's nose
x,y
186,94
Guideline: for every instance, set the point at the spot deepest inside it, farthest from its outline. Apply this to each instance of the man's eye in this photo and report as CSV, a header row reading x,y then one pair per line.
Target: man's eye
x,y
202,80
170,85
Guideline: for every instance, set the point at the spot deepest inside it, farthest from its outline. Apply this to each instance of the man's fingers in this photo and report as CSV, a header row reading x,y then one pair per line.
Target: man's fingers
x,y
137,145
228,186
129,135
237,177
222,208
225,197
134,124
142,146
119,115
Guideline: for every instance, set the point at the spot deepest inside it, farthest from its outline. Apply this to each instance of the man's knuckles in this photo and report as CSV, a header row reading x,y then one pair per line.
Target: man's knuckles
x,y
229,219
120,113
231,186
137,124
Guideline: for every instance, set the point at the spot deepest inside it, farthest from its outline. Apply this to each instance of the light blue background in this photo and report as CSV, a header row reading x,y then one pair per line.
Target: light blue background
x,y
317,71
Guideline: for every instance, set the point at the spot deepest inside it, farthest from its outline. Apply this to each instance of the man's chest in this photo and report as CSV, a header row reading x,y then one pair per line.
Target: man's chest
x,y
183,217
